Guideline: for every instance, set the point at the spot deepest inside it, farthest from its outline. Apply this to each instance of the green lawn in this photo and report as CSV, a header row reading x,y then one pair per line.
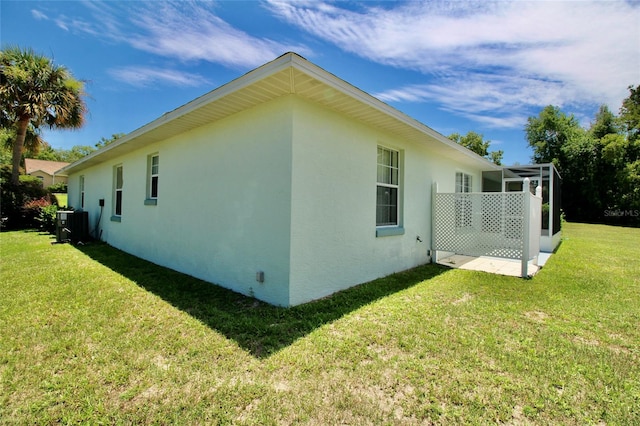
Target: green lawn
x,y
92,335
61,199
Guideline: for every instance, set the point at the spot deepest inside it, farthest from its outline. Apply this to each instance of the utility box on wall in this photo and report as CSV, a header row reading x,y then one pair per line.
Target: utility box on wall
x,y
72,226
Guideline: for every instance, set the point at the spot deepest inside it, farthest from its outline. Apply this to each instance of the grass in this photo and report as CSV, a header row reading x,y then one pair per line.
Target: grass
x,y
92,335
61,199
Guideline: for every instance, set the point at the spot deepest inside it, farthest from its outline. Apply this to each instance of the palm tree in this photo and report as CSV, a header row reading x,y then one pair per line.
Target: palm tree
x,y
33,142
36,92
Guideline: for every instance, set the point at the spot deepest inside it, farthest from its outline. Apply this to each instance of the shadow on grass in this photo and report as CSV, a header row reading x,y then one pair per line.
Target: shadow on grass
x,y
258,327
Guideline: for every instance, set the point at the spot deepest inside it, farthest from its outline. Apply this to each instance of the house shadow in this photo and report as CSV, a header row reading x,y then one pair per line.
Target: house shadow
x,y
259,328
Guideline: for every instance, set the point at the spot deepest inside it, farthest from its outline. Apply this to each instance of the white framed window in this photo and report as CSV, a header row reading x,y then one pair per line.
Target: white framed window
x,y
388,187
464,182
153,174
464,204
82,192
118,185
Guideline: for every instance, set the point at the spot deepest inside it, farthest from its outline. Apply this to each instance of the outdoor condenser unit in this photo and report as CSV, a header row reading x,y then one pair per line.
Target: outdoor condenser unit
x,y
72,226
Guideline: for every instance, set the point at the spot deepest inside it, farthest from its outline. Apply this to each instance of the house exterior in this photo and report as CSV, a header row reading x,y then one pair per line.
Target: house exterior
x,y
287,184
46,171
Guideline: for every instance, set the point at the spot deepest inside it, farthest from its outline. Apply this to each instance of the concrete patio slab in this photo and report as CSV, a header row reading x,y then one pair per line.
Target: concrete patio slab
x,y
493,265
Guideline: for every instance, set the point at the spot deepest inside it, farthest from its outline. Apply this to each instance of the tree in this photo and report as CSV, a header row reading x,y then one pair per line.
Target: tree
x,y
32,141
34,91
476,143
5,146
630,113
496,157
606,123
75,153
549,132
104,141
600,167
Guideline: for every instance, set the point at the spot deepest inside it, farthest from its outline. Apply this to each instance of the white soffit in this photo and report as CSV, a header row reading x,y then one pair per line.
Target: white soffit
x,y
288,74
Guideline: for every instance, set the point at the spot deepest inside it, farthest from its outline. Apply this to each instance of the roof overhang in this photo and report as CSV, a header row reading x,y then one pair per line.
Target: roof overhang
x,y
288,74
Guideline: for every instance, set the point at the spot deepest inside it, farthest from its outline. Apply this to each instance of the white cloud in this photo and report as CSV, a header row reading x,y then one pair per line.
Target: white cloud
x,y
184,30
479,57
494,100
145,76
39,15
191,31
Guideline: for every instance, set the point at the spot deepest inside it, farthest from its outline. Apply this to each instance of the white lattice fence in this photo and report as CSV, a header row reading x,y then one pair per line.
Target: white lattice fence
x,y
480,224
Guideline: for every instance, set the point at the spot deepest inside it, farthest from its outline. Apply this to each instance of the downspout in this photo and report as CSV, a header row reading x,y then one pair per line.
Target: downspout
x,y
433,252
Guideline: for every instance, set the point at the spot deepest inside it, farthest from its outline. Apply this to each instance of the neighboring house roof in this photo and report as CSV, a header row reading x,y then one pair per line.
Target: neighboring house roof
x,y
49,167
288,74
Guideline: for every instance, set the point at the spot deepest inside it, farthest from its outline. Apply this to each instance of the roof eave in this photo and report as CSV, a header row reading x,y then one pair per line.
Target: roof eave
x,y
288,60
362,96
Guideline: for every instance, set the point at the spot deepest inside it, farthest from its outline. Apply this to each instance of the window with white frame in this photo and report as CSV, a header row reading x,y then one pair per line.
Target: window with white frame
x,y
153,173
117,190
82,192
463,182
464,204
388,187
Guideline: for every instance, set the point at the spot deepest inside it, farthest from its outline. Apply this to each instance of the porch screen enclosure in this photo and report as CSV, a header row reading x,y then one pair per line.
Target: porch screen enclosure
x,y
495,224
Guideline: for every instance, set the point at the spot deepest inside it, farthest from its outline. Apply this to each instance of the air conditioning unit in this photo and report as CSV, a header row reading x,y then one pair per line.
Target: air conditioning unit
x,y
72,226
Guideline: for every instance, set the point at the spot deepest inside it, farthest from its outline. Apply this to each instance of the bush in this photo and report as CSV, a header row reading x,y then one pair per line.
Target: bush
x,y
47,218
31,187
32,210
59,187
14,199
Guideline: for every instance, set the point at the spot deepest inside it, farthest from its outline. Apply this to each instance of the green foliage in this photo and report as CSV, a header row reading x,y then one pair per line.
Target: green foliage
x,y
605,123
630,113
33,86
33,143
34,93
551,131
58,187
104,141
47,218
473,141
496,157
30,181
44,151
598,165
5,146
32,212
476,143
14,197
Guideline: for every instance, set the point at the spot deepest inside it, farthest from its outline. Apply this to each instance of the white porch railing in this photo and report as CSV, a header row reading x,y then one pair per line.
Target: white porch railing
x,y
496,224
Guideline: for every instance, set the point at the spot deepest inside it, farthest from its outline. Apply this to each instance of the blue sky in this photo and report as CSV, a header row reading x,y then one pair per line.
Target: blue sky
x,y
455,66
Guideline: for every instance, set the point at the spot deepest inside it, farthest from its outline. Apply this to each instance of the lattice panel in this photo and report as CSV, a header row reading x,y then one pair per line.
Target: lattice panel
x,y
480,224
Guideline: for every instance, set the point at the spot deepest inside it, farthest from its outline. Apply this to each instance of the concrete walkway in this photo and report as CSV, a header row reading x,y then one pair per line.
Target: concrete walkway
x,y
493,265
